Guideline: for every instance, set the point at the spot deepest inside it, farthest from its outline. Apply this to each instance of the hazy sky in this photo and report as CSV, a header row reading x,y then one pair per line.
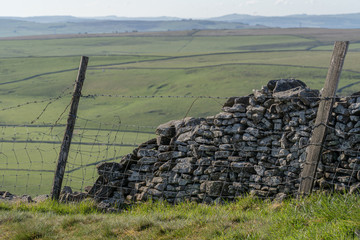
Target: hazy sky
x,y
175,8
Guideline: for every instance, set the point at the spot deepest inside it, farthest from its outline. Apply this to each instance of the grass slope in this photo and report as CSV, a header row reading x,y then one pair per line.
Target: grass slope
x,y
34,73
316,217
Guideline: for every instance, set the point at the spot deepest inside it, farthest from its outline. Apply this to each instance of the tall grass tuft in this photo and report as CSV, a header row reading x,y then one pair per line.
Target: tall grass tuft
x,y
318,216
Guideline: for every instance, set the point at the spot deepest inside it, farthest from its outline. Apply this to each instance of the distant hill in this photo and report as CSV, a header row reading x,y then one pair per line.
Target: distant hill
x,y
47,19
12,27
307,21
57,19
17,26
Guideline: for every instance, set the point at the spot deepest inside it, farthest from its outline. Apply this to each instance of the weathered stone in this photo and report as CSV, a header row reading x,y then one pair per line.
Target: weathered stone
x,y
259,193
255,178
108,167
272,181
166,156
266,141
199,171
65,190
277,124
202,140
354,109
135,177
255,110
230,102
259,170
280,197
26,199
355,118
184,137
78,197
226,147
253,131
272,84
224,115
242,166
279,152
237,108
257,144
287,95
204,162
222,154
167,129
346,179
183,149
340,109
160,186
41,198
355,188
150,144
164,148
248,137
233,129
208,148
177,154
308,96
214,188
286,84
147,160
147,153
7,195
203,133
184,165
161,140
340,187
165,167
154,192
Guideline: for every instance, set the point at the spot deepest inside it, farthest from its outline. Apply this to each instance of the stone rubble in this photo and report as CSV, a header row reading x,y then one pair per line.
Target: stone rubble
x,y
256,145
7,196
66,195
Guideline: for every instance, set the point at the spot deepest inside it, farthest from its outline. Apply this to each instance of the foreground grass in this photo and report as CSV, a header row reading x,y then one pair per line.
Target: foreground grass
x,y
316,217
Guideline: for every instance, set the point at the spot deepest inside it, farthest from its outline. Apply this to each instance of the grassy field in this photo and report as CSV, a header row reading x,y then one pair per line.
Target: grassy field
x,y
317,217
37,76
29,155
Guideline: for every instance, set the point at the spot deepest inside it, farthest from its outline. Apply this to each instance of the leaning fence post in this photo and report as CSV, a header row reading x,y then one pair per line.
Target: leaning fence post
x,y
65,146
325,107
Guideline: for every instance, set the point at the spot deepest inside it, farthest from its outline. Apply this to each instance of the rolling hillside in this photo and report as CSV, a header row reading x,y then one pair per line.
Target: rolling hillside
x,y
26,27
134,83
40,25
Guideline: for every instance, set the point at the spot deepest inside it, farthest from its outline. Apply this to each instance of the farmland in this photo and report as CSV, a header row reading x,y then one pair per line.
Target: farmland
x,y
37,76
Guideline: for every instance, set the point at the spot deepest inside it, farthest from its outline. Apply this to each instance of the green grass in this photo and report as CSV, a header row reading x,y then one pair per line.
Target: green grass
x,y
27,167
316,217
220,75
354,47
146,45
216,66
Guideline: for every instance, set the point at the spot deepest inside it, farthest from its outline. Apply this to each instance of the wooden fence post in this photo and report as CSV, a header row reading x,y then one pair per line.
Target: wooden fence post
x,y
325,107
65,146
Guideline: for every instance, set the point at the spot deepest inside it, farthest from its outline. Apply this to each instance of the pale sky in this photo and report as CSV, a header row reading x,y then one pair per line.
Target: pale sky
x,y
174,8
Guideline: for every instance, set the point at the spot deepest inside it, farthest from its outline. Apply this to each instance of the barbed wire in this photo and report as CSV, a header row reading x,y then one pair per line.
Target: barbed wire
x,y
111,142
148,96
29,156
117,124
47,100
282,97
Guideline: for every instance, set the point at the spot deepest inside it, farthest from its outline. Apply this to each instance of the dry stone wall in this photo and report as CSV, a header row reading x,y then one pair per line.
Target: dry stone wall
x,y
256,145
